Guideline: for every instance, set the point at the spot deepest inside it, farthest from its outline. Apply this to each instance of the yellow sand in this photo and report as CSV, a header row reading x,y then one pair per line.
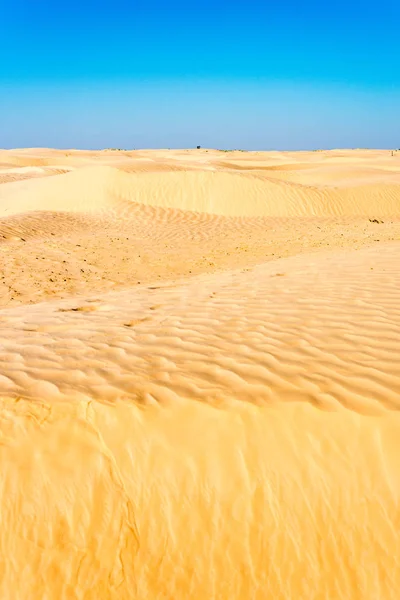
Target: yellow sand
x,y
200,375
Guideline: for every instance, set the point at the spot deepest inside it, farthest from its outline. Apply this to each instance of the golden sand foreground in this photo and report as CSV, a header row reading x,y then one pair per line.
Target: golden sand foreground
x,y
199,375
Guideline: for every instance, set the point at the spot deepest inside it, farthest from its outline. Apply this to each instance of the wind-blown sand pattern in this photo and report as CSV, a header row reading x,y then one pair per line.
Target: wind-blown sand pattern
x,y
200,375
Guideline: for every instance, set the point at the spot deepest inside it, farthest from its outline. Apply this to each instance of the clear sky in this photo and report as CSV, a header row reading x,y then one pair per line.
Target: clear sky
x,y
219,73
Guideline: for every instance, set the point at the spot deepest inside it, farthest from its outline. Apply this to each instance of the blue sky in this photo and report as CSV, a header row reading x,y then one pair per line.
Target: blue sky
x,y
226,74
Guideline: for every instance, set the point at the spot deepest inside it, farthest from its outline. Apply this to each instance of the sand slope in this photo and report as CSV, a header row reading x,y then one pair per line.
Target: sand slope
x,y
233,437
216,192
200,376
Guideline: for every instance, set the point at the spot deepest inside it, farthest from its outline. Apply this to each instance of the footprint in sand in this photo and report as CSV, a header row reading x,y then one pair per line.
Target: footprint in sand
x,y
85,309
136,322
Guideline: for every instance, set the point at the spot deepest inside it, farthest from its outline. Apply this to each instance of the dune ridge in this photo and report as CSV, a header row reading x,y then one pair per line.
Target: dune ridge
x,y
149,412
215,192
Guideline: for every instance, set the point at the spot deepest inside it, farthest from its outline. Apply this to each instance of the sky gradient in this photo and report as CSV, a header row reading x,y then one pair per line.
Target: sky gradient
x,y
255,75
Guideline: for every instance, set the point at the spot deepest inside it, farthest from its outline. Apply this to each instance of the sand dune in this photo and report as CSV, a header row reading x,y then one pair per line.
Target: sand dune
x,y
214,192
138,487
200,374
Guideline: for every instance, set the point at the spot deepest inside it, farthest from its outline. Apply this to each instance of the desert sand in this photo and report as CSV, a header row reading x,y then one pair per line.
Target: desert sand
x,y
199,374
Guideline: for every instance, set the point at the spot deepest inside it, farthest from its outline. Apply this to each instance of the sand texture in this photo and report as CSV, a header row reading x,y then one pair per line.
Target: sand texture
x,y
199,375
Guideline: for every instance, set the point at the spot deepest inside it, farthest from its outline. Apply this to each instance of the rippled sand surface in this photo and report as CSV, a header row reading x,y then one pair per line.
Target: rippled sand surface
x,y
199,375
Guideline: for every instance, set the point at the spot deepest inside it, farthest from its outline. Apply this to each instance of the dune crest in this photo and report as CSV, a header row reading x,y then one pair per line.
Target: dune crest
x,y
223,188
